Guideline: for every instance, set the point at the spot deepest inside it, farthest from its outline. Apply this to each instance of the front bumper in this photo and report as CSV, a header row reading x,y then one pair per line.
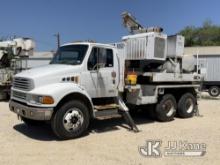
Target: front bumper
x,y
29,112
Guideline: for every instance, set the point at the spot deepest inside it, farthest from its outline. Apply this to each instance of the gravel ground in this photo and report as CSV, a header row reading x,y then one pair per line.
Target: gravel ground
x,y
109,141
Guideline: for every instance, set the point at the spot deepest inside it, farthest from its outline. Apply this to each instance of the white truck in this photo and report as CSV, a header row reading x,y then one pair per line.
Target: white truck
x,y
12,53
88,80
17,55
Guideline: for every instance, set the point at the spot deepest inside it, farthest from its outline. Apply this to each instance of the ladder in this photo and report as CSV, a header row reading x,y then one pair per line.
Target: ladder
x,y
119,109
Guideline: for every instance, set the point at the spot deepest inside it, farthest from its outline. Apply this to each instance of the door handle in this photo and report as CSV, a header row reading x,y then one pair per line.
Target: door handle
x,y
113,76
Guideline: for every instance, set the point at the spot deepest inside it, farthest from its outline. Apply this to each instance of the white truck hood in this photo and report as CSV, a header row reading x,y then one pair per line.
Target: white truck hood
x,y
48,74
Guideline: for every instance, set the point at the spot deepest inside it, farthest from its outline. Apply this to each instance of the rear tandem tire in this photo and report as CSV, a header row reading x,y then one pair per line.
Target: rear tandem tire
x,y
71,120
166,108
186,105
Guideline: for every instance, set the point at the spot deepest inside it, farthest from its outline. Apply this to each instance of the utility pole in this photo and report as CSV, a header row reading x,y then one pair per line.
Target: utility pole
x,y
58,39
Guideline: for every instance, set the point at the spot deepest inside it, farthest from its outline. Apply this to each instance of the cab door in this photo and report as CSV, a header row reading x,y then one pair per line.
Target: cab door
x,y
103,67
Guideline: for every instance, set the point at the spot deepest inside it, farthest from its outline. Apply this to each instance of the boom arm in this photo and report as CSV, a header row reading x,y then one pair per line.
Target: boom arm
x,y
135,27
131,23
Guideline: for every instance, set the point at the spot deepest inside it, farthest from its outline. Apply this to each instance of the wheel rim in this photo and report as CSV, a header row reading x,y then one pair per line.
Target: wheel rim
x,y
169,108
214,91
73,119
189,105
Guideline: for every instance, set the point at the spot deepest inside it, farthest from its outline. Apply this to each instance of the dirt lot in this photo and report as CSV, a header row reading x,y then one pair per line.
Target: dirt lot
x,y
109,141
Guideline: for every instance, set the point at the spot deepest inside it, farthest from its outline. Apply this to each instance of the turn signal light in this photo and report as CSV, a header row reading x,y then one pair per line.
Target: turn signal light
x,y
47,100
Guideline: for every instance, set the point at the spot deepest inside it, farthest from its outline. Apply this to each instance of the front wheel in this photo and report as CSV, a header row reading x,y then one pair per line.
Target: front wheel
x,y
71,120
186,105
166,108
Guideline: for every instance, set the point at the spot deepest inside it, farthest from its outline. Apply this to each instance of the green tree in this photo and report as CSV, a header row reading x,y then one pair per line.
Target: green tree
x,y
207,35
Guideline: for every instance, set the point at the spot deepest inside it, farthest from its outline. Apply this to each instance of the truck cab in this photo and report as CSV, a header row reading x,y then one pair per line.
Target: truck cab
x,y
78,75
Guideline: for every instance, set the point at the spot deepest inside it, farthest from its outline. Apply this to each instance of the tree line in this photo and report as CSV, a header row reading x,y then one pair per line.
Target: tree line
x,y
206,35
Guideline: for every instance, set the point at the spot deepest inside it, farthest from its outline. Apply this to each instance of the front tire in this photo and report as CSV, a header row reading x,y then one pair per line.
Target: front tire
x,y
186,105
214,91
166,108
71,120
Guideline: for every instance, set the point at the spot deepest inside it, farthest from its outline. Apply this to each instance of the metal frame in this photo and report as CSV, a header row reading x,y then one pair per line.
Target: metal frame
x,y
135,96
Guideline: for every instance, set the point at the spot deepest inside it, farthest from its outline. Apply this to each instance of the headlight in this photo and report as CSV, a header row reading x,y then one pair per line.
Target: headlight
x,y
36,99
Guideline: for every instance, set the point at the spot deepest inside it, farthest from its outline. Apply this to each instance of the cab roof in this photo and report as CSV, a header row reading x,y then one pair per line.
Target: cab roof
x,y
90,44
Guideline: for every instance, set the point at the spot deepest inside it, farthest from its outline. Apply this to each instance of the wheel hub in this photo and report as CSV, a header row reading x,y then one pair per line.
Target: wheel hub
x,y
214,91
73,119
169,107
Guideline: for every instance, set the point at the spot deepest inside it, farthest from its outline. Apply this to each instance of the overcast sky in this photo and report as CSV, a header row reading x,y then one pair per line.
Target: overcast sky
x,y
99,20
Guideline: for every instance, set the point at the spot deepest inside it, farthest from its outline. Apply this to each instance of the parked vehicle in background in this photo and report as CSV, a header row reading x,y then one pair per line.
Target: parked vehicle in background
x,y
17,55
208,66
87,80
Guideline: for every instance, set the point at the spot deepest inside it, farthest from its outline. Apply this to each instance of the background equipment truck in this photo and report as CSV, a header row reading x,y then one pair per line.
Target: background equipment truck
x,y
207,58
88,80
15,56
11,54
209,66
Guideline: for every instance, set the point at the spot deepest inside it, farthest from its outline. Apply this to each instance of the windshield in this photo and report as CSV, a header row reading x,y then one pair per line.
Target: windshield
x,y
71,54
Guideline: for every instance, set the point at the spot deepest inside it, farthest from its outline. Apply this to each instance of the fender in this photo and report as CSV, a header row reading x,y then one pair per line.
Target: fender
x,y
58,91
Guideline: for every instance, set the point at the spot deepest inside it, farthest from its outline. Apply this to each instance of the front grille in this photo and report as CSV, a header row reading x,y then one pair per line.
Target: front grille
x,y
22,83
19,95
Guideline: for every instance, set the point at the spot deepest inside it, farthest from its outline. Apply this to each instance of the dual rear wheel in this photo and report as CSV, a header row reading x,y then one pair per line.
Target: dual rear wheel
x,y
167,107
